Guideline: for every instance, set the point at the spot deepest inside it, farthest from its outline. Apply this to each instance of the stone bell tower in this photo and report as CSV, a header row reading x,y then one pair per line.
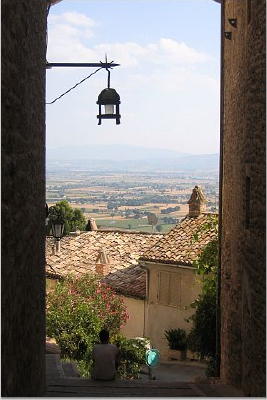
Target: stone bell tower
x,y
197,202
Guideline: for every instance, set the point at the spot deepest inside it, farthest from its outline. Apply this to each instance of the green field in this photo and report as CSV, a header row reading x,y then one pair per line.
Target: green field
x,y
132,224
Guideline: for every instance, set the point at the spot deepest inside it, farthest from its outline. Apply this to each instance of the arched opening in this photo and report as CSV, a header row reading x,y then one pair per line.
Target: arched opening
x,y
169,72
242,204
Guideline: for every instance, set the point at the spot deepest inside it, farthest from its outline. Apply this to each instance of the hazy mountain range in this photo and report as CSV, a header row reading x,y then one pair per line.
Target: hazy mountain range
x,y
125,157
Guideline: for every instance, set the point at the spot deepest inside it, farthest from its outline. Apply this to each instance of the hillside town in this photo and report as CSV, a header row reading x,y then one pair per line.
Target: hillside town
x,y
154,274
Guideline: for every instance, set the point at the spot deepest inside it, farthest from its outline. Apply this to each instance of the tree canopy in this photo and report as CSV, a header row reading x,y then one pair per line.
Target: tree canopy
x,y
72,218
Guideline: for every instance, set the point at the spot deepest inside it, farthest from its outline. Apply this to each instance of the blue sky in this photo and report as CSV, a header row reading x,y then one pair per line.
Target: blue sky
x,y
169,51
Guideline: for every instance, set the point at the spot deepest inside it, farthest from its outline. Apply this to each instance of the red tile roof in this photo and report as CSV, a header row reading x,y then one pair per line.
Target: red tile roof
x,y
130,281
178,246
79,255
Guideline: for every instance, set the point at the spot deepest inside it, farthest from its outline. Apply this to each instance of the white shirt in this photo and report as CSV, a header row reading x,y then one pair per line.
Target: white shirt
x,y
104,356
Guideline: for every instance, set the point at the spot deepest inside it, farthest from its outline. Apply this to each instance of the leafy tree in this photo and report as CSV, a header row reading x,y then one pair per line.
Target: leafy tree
x,y
159,228
202,337
72,218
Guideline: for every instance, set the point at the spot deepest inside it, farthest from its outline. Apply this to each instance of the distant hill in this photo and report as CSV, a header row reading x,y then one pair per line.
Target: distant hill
x,y
128,158
114,152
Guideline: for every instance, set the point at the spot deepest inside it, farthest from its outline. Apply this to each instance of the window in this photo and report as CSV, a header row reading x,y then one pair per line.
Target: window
x,y
169,288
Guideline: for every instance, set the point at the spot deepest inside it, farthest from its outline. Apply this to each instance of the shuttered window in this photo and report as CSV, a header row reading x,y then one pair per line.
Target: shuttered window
x,y
169,288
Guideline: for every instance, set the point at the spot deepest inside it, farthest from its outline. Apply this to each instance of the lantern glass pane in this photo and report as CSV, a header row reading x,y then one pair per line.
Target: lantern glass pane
x,y
58,230
109,108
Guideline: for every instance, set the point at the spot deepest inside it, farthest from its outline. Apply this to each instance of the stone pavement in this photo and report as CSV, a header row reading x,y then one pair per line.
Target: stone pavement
x,y
59,385
176,371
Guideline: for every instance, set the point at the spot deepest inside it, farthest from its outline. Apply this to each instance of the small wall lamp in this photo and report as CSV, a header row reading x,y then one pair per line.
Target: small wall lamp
x,y
57,229
233,22
57,222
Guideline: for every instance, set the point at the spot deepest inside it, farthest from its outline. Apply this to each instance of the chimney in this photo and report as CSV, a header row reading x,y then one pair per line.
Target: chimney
x,y
91,225
102,266
197,202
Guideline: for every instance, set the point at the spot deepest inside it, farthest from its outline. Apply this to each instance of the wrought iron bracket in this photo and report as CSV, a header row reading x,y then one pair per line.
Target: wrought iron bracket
x,y
105,65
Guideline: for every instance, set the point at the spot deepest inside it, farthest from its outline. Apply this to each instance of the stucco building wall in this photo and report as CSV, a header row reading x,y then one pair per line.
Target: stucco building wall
x,y
160,317
135,324
243,198
23,197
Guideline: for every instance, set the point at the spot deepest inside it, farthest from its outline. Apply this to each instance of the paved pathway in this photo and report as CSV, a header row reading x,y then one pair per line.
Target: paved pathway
x,y
58,385
176,371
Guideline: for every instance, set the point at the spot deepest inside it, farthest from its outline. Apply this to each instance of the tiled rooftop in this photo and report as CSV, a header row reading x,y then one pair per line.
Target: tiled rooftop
x,y
79,255
178,246
130,281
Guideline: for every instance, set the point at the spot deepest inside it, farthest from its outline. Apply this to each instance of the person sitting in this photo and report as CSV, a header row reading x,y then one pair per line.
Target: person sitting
x,y
105,358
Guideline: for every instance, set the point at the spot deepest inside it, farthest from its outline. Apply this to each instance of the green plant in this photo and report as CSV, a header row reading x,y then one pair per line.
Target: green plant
x,y
177,339
77,310
132,355
202,337
81,365
72,218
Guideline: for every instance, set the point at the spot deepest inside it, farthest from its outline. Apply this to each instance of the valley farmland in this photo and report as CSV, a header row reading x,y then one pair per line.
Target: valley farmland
x,y
126,200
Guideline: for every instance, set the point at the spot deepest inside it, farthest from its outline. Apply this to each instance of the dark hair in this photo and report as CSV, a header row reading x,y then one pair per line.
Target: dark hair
x,y
104,335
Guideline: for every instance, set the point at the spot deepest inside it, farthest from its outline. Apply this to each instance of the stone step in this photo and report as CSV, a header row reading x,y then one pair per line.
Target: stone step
x,y
70,369
54,368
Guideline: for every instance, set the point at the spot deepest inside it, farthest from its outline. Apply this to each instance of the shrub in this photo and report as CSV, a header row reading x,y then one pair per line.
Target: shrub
x,y
177,339
202,337
133,355
76,312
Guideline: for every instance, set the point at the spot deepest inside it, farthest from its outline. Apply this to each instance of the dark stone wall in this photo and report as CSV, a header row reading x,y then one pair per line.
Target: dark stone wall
x,y
243,199
23,197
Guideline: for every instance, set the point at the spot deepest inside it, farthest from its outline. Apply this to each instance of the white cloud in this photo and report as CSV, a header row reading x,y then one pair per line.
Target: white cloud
x,y
179,52
169,95
68,31
73,18
67,34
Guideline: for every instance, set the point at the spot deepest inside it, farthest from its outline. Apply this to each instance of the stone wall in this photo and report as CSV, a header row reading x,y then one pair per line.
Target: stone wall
x,y
23,197
243,198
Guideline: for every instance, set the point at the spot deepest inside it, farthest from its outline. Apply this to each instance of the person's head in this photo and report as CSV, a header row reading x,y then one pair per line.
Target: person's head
x,y
104,336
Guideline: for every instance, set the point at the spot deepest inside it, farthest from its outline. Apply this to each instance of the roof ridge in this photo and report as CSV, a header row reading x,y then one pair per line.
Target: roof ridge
x,y
130,232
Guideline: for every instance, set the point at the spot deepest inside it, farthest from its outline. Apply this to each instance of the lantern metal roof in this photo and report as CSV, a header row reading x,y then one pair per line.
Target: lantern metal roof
x,y
108,96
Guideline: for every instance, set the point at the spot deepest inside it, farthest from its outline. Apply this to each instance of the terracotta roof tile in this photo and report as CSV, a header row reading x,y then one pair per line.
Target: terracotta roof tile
x,y
129,281
79,254
178,245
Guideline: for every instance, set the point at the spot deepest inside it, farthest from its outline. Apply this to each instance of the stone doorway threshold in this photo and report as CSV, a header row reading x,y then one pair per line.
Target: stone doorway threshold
x,y
59,385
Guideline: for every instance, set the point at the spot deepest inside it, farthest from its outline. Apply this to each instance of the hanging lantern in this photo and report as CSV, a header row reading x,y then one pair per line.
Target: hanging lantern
x,y
57,229
110,99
